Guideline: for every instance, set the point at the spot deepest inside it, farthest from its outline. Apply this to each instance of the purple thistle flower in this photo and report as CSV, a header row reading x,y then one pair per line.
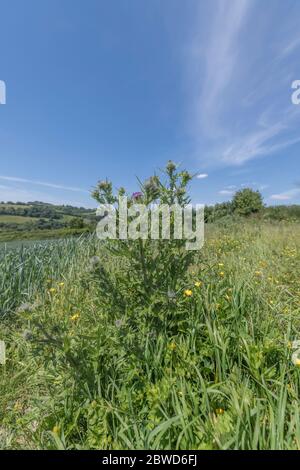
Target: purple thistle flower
x,y
137,195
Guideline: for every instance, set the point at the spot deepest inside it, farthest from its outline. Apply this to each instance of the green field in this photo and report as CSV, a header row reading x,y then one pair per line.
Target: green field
x,y
40,221
4,205
111,354
143,344
40,234
16,219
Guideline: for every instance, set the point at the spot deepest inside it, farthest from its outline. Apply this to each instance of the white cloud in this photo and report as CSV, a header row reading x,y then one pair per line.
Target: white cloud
x,y
16,194
226,67
202,176
290,47
260,142
41,183
220,59
24,190
286,196
226,192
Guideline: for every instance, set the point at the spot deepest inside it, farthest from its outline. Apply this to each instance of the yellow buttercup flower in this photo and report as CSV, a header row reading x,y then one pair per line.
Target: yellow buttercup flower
x,y
198,284
220,411
52,290
221,274
61,284
18,406
221,265
188,293
75,317
56,430
172,346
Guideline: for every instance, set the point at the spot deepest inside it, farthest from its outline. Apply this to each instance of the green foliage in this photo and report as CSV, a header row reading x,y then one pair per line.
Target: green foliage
x,y
39,235
152,268
247,201
282,213
24,272
76,222
133,345
90,366
218,211
36,219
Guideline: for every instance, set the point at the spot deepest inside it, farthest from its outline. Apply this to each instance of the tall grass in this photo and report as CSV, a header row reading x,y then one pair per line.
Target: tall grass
x,y
25,270
98,364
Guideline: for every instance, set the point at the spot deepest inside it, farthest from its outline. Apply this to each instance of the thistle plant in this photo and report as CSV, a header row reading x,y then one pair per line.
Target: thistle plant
x,y
152,268
100,358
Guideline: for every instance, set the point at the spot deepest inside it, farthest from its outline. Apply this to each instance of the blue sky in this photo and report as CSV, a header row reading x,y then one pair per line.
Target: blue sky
x,y
102,88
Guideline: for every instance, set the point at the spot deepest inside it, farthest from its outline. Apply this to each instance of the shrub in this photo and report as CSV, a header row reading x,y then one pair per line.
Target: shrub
x,y
247,201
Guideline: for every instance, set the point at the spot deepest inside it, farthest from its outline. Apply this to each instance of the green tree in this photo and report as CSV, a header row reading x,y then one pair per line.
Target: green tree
x,y
247,201
76,222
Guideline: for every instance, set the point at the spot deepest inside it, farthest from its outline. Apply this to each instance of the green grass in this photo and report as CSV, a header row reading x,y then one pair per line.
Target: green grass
x,y
15,219
106,357
13,206
40,221
41,234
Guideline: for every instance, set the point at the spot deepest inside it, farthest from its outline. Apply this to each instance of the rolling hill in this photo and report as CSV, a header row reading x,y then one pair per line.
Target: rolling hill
x,y
34,220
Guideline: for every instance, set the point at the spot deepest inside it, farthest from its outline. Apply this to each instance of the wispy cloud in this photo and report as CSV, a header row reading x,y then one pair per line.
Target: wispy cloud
x,y
202,176
289,48
23,189
220,60
16,179
258,143
226,192
286,196
231,189
15,194
241,101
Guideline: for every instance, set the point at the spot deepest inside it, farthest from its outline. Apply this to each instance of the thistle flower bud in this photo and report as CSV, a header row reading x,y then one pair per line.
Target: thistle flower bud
x,y
171,167
137,195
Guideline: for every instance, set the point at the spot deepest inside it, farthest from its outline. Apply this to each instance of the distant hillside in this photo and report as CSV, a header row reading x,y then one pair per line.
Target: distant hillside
x,y
38,219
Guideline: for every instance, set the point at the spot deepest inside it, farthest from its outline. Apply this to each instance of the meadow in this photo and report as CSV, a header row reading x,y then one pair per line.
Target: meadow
x,y
41,221
148,347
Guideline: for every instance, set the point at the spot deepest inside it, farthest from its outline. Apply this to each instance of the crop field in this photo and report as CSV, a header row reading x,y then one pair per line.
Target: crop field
x,y
106,350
